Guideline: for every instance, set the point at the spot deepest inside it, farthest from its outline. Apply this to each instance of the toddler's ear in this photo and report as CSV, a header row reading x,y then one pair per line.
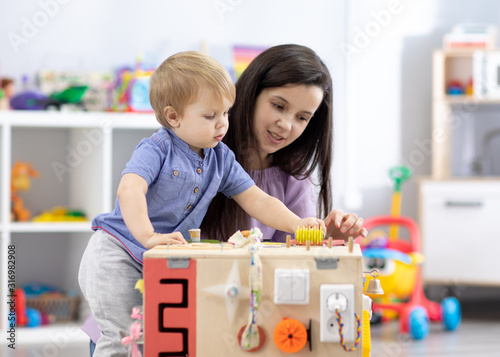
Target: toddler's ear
x,y
171,116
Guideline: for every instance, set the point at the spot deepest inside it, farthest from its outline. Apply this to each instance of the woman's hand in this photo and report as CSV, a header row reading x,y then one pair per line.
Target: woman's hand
x,y
340,225
164,239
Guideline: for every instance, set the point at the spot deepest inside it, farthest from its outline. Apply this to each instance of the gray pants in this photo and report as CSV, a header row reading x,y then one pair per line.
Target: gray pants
x,y
107,277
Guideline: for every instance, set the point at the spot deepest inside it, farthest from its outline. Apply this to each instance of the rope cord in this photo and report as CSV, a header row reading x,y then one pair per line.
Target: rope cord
x,y
341,331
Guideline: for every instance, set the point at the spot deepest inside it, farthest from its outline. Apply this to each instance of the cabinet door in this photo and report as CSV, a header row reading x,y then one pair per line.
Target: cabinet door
x,y
461,241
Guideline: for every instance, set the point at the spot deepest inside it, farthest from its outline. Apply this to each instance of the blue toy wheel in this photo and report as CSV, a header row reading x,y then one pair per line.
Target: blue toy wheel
x,y
418,323
451,313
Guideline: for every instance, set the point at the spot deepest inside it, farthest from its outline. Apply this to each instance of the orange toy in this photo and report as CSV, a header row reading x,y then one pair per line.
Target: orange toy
x,y
290,335
20,181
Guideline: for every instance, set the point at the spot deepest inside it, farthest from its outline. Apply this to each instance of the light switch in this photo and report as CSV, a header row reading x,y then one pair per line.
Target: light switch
x,y
291,286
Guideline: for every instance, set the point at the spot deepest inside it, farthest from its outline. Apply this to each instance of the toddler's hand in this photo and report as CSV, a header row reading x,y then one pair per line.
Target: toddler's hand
x,y
165,238
312,222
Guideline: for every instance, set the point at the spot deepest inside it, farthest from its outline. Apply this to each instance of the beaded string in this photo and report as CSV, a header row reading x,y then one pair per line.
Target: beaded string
x,y
341,331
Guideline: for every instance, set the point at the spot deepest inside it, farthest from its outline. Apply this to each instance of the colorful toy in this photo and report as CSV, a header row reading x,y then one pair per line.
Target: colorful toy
x,y
136,335
34,317
98,96
60,214
455,87
135,330
132,89
242,57
398,174
400,276
31,100
202,301
314,235
20,309
6,93
20,181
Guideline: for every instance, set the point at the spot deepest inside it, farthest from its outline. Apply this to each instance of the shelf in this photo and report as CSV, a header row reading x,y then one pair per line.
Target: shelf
x,y
80,157
468,99
44,119
35,227
51,334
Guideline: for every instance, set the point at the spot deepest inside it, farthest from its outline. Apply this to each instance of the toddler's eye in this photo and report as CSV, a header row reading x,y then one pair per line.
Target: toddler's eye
x,y
210,116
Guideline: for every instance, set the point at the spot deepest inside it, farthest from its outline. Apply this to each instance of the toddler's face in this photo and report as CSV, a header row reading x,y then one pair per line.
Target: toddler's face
x,y
204,122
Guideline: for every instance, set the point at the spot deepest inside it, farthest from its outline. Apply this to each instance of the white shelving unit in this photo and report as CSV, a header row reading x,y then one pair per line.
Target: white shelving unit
x,y
458,206
80,156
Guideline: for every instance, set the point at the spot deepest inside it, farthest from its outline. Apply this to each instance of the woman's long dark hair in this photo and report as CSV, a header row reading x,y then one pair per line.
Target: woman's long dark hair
x,y
276,67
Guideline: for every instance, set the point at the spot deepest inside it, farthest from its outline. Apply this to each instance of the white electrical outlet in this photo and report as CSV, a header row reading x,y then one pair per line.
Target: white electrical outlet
x,y
333,296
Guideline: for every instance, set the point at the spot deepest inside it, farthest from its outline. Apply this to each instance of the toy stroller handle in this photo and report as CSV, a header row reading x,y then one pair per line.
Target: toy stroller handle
x,y
403,221
399,174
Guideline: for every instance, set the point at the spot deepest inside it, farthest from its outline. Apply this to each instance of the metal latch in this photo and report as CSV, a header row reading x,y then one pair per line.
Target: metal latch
x,y
326,262
178,262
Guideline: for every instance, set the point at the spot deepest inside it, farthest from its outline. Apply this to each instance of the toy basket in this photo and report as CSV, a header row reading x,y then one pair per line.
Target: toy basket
x,y
58,308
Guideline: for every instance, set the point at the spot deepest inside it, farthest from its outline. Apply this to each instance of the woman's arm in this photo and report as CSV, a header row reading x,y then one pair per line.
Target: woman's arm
x,y
272,212
132,198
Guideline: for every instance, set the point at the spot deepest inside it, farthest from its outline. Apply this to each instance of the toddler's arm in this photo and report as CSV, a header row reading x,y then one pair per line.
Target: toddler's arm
x,y
272,212
132,197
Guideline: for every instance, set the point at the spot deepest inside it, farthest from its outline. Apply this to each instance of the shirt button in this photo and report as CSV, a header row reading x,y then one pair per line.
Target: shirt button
x,y
176,172
189,207
196,190
198,170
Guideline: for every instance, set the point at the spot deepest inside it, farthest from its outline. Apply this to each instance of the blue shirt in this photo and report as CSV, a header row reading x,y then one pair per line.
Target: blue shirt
x,y
181,185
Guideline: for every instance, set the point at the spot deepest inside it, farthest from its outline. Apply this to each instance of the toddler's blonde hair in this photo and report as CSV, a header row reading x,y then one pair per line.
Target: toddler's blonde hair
x,y
179,79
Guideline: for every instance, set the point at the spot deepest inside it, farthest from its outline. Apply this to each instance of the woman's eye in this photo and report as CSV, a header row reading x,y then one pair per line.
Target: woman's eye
x,y
302,118
277,106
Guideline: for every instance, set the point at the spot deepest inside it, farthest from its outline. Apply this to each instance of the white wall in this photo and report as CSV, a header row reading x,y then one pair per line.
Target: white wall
x,y
382,111
390,78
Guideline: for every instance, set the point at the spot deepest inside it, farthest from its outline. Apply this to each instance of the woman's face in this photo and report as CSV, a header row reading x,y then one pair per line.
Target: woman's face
x,y
282,114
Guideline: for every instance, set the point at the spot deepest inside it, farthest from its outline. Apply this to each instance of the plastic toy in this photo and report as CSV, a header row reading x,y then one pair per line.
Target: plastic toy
x,y
31,100
455,88
398,174
290,335
60,214
135,330
34,317
132,89
20,298
399,265
136,335
314,235
6,93
20,181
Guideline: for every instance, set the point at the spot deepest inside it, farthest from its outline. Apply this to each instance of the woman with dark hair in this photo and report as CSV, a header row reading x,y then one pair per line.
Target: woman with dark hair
x,y
281,131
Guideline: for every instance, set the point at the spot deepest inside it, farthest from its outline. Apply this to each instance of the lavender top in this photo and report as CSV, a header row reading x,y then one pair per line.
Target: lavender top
x,y
297,195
